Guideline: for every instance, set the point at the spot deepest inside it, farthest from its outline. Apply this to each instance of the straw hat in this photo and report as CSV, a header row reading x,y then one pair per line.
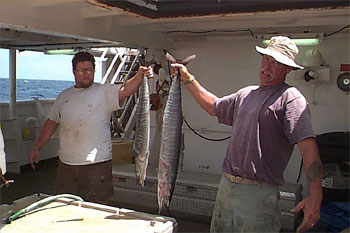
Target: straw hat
x,y
283,50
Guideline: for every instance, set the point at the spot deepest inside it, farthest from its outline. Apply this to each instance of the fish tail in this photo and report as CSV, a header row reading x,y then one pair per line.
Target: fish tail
x,y
140,181
163,201
168,210
160,205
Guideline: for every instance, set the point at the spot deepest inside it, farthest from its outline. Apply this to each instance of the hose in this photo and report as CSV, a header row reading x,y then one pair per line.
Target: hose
x,y
41,203
209,139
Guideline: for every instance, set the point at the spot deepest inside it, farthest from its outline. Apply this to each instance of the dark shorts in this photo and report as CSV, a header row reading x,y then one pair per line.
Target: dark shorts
x,y
91,182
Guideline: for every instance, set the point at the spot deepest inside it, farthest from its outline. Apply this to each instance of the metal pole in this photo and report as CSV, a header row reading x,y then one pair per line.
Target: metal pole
x,y
12,83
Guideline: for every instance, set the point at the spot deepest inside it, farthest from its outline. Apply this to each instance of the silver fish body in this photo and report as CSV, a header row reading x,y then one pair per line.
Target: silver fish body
x,y
142,135
170,145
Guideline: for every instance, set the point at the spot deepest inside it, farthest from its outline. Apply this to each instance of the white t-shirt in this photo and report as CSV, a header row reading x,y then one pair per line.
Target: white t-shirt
x,y
84,117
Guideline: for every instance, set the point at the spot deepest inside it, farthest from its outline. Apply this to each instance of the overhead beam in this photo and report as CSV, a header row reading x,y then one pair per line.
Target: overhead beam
x,y
185,8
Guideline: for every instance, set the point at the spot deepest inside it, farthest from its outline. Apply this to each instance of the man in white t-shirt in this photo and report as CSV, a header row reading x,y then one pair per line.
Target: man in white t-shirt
x,y
83,113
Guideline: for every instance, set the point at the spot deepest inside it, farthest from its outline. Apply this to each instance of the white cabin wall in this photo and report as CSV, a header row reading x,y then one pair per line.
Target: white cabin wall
x,y
18,144
226,64
330,106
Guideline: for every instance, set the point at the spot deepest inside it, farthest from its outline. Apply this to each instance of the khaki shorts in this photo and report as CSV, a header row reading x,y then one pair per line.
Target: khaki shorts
x,y
91,182
242,207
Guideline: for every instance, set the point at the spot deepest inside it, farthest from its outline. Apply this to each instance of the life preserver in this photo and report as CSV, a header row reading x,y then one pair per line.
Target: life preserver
x,y
343,82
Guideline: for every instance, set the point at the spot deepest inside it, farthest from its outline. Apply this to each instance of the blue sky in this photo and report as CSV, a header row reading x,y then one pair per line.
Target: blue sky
x,y
36,65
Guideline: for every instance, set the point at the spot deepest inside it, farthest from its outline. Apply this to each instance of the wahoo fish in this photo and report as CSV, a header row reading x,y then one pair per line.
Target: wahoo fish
x,y
142,135
170,145
170,141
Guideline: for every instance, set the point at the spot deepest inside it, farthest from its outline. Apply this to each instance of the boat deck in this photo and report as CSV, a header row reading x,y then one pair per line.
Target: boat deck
x,y
42,180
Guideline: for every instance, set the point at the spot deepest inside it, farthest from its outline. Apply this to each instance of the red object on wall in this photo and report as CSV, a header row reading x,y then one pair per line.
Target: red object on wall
x,y
154,100
344,67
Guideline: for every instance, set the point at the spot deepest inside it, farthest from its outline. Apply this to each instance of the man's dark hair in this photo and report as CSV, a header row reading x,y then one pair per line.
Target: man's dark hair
x,y
82,56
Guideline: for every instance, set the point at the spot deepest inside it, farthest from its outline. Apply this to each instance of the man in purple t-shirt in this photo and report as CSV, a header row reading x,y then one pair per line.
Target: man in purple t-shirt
x,y
267,121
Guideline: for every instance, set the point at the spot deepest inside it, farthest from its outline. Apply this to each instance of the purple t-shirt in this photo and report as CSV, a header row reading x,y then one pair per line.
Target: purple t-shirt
x,y
266,123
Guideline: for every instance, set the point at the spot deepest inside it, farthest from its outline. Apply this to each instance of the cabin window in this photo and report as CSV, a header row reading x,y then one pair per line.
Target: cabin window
x,y
39,75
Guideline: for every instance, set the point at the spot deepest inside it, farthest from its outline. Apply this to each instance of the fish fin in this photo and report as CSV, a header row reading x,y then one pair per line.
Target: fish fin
x,y
160,205
168,210
188,59
152,61
136,148
145,63
140,182
164,211
142,61
170,58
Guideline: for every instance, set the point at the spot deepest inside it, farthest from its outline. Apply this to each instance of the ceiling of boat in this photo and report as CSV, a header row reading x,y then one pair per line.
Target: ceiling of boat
x,y
37,40
181,8
41,25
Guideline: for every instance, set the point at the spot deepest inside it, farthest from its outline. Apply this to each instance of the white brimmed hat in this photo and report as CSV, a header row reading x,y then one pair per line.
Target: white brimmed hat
x,y
283,50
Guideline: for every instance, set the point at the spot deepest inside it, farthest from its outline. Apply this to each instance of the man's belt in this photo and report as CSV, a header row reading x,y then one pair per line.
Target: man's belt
x,y
240,180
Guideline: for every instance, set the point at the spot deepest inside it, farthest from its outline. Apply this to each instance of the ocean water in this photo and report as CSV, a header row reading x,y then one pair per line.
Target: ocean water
x,y
27,89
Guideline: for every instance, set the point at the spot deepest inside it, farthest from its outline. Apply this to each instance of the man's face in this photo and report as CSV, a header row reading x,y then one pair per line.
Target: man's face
x,y
84,74
272,72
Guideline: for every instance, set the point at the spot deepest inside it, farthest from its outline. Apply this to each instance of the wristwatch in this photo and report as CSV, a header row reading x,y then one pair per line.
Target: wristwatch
x,y
189,80
35,148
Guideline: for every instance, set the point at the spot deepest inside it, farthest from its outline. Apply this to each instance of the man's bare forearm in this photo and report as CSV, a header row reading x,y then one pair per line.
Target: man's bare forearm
x,y
313,172
46,132
130,86
203,97
312,165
